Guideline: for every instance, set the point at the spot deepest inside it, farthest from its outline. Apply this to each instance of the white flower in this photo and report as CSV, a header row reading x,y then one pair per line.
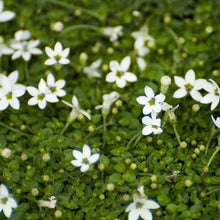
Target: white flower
x,y
26,49
141,36
216,121
141,63
5,15
49,204
119,73
213,95
76,110
55,88
151,102
41,95
152,125
108,100
113,32
189,85
10,91
91,71
140,208
7,202
85,158
58,55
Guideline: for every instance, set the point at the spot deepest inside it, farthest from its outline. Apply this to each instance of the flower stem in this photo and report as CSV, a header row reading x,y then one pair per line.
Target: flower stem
x,y
73,7
133,138
26,72
80,26
176,133
213,155
210,192
104,130
209,140
12,129
173,34
64,128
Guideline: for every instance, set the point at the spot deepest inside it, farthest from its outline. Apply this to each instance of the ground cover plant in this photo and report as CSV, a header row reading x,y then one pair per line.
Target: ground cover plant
x,y
109,110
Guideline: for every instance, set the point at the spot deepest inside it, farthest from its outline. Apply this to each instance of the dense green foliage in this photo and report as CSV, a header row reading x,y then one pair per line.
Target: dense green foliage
x,y
186,37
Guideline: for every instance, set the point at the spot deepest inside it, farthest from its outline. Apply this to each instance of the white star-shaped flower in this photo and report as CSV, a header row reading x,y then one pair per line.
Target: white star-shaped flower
x,y
119,73
25,49
10,91
85,158
213,95
7,202
113,32
76,110
152,125
92,70
5,15
55,87
41,95
216,121
140,208
189,85
58,55
141,37
151,102
108,100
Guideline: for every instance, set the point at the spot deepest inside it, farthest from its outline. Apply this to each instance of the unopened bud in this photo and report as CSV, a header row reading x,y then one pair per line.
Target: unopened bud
x,y
83,57
153,178
46,157
188,183
6,153
58,214
35,192
57,26
110,187
195,107
183,144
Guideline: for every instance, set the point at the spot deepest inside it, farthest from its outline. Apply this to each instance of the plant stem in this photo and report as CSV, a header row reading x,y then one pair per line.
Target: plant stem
x,y
12,129
73,7
133,138
214,190
26,72
176,133
104,130
209,140
80,26
64,128
173,34
213,155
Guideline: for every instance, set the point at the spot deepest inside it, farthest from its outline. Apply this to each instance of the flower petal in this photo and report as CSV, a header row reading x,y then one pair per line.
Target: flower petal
x,y
86,151
94,158
179,93
190,76
149,92
84,167
179,81
147,130
130,77
125,63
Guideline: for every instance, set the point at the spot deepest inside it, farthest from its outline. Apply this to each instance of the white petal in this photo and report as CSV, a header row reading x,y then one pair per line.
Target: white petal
x,y
125,63
114,66
190,76
13,77
26,56
111,77
32,101
133,215
86,151
179,81
58,47
49,52
157,130
42,104
60,83
1,6
50,61
64,61
141,63
3,191
121,83
160,98
208,98
96,64
94,158
35,51
216,122
86,114
215,103
32,91
6,16
65,52
75,101
16,55
196,95
149,92
146,214
7,211
78,155
199,84
130,77
42,85
14,103
147,130
50,80
179,93
150,204
11,202
209,87
76,163
147,109
146,120
84,168
157,107
143,100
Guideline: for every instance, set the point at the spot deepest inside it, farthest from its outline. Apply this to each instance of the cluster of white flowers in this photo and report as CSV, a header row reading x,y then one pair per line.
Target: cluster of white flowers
x,y
47,92
153,104
141,37
191,86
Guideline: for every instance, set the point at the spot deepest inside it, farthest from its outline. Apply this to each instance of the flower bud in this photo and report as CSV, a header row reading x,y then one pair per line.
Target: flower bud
x,y
57,26
195,107
35,192
202,147
58,214
110,187
6,153
83,57
188,183
101,196
126,197
209,29
165,82
183,144
46,157
153,178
